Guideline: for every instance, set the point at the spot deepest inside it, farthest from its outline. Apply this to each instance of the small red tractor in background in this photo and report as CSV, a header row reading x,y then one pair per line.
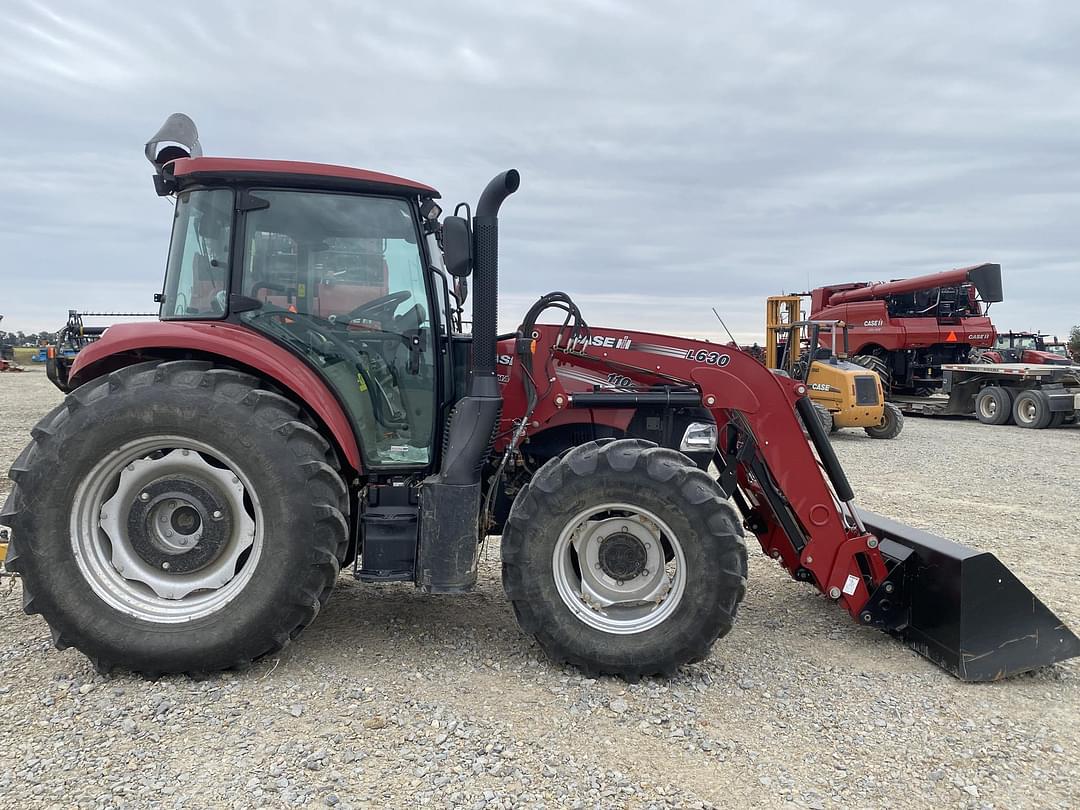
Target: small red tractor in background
x,y
907,329
308,401
1030,348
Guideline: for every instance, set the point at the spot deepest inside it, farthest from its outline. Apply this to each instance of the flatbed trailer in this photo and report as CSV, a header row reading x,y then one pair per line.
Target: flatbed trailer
x,y
1028,395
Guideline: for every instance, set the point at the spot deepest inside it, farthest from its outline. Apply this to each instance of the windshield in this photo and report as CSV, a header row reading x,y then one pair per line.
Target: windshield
x,y
197,275
341,278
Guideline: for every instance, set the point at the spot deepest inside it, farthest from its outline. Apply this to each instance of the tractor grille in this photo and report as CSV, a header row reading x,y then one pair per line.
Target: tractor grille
x,y
866,389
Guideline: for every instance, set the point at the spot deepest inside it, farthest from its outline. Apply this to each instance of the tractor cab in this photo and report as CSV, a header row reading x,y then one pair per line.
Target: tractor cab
x,y
348,279
1026,347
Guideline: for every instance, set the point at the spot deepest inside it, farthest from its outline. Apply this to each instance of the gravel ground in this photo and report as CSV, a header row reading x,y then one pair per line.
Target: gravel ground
x,y
393,699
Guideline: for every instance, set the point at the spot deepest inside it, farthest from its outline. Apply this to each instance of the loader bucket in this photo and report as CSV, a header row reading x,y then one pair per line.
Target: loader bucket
x,y
963,609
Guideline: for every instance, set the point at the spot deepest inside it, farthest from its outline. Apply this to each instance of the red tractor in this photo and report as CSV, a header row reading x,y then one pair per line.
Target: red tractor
x,y
307,402
1030,348
907,329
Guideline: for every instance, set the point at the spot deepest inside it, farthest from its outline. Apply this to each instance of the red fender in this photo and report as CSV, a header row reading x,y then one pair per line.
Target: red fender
x,y
229,341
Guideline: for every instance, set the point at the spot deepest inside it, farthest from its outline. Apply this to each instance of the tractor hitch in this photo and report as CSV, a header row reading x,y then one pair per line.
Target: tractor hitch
x,y
961,607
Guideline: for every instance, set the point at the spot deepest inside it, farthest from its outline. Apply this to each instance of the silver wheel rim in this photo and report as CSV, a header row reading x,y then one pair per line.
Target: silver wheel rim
x,y
989,407
1027,410
586,568
128,483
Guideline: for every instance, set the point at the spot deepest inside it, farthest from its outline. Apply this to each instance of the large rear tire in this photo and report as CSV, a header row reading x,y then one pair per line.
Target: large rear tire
x,y
175,517
624,559
891,426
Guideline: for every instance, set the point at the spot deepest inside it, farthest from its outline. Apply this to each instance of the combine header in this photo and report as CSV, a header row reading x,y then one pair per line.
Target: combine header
x,y
307,402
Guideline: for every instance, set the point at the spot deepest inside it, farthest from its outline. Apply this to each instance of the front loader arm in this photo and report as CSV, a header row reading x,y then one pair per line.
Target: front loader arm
x,y
957,606
766,463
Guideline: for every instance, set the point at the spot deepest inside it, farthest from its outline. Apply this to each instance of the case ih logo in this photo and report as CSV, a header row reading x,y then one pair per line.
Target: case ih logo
x,y
873,323
979,336
603,341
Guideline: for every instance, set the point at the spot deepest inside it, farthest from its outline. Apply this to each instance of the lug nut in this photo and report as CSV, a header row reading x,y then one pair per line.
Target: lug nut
x,y
165,565
185,452
834,593
866,617
144,496
889,587
217,514
164,519
168,533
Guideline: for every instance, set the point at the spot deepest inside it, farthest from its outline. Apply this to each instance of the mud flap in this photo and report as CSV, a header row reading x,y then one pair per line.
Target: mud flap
x,y
962,608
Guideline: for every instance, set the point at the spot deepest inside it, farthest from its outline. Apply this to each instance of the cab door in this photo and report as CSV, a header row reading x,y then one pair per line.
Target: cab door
x,y
341,279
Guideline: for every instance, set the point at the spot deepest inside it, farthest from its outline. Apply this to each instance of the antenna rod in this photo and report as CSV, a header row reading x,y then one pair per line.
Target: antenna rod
x,y
717,314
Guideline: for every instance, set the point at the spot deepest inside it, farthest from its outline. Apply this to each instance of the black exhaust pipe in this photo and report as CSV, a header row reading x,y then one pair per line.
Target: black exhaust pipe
x,y
450,499
486,282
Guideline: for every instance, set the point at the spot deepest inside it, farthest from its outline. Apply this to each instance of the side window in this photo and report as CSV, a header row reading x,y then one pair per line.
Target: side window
x,y
196,279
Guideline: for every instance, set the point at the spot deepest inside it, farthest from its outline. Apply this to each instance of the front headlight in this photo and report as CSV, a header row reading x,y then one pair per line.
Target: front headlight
x,y
699,437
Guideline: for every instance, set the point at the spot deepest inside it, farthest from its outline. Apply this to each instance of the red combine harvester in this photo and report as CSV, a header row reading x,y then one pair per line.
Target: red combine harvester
x,y
907,329
307,401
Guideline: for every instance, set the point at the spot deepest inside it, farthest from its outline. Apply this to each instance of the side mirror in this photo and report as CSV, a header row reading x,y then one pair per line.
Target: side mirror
x,y
457,246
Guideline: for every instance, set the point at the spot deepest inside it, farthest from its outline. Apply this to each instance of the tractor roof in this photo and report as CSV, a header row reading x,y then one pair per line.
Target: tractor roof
x,y
294,173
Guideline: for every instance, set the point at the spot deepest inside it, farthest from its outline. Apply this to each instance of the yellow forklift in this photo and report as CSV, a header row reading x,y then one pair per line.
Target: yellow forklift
x,y
844,394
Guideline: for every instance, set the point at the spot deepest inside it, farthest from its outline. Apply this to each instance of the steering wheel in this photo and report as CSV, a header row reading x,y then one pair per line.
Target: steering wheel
x,y
377,305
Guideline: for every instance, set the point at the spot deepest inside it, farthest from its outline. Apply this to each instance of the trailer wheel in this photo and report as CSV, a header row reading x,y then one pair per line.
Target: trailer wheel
x,y
175,517
994,405
892,424
624,559
1032,409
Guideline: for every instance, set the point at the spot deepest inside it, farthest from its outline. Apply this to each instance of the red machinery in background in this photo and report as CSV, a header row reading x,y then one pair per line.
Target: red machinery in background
x,y
907,329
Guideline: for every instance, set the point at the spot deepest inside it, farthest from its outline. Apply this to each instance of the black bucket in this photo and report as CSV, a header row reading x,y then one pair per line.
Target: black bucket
x,y
961,607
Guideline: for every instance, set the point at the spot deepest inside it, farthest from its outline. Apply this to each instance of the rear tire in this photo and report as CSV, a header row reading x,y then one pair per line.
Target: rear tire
x,y
641,491
1032,409
994,405
95,577
892,425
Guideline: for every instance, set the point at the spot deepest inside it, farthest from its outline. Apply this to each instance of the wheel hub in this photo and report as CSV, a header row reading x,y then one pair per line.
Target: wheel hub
x,y
622,556
611,568
179,524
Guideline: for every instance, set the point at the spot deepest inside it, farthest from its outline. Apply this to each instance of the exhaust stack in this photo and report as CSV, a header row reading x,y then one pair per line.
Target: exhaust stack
x,y
450,499
482,380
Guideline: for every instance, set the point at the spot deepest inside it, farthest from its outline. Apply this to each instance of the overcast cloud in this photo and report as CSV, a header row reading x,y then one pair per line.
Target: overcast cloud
x,y
674,157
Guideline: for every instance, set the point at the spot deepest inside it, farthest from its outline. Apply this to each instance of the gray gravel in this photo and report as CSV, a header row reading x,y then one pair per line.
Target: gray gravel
x,y
393,699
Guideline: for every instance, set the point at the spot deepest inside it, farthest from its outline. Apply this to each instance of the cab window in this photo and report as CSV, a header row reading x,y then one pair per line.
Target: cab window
x,y
341,279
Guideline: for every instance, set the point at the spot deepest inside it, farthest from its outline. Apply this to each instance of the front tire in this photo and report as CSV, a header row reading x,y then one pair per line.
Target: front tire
x,y
624,559
175,517
891,425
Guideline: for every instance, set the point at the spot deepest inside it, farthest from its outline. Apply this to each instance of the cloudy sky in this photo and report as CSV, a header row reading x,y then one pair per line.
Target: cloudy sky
x,y
674,157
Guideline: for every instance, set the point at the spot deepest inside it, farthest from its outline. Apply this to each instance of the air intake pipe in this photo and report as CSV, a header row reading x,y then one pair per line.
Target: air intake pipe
x,y
450,499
